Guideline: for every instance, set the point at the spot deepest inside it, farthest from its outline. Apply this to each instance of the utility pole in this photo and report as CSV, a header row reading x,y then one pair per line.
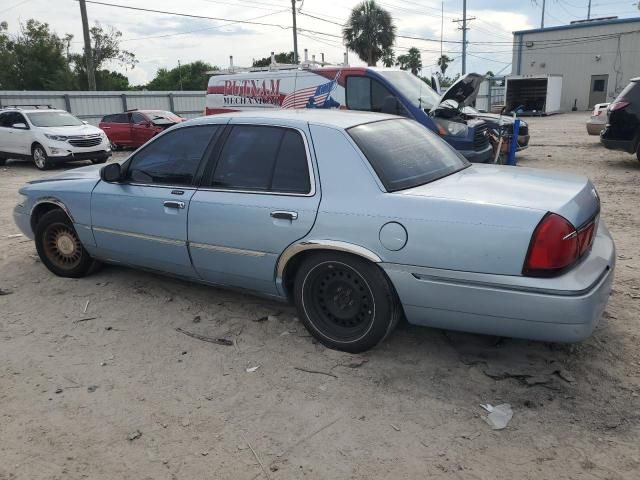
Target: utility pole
x,y
589,11
295,33
464,29
88,55
441,28
180,74
544,5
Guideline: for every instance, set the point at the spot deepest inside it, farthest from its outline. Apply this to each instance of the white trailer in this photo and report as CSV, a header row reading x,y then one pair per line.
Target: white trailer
x,y
533,95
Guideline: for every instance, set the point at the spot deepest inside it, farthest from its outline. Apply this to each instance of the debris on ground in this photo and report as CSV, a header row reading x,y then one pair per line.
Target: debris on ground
x,y
86,319
136,434
395,427
197,319
4,291
219,341
565,375
86,305
356,363
253,369
499,416
92,388
261,319
319,372
58,390
15,235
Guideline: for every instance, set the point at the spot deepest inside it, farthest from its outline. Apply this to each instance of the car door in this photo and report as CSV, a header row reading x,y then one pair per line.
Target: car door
x,y
141,129
260,197
20,138
5,124
142,220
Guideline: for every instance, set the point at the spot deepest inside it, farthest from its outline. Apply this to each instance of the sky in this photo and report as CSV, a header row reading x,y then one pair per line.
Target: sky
x,y
160,40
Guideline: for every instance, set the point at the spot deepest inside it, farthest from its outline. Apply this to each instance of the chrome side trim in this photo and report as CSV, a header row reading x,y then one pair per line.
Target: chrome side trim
x,y
53,201
337,245
234,251
141,236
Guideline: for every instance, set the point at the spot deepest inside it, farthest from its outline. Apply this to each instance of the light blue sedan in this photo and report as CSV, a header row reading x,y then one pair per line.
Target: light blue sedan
x,y
357,218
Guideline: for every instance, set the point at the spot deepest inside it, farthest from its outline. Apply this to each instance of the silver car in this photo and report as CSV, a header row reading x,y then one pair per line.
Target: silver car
x,y
357,218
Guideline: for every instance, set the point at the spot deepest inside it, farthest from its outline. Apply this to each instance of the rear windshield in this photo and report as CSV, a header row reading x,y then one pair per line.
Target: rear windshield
x,y
405,154
630,92
53,119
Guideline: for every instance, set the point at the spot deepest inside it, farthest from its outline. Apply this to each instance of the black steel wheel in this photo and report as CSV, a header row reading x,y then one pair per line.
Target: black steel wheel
x,y
59,246
346,302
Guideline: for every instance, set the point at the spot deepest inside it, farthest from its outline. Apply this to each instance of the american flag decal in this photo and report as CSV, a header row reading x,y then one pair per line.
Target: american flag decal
x,y
310,97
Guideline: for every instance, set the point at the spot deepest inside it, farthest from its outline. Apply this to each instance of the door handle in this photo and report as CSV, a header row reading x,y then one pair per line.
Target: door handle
x,y
174,204
284,215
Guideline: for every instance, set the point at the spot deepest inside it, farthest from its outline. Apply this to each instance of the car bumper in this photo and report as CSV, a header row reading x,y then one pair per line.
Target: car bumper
x,y
594,128
623,145
562,309
23,221
479,156
75,156
523,142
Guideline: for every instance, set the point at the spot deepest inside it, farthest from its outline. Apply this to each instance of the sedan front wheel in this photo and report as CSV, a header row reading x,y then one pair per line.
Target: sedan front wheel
x,y
345,302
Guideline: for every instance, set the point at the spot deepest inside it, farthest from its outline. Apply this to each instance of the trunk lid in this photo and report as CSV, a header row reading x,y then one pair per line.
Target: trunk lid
x,y
572,196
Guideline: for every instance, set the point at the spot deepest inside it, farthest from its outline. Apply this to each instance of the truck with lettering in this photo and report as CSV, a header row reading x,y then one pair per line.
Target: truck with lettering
x,y
371,89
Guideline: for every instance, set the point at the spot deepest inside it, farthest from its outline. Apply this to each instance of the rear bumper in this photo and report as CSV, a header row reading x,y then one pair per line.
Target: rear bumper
x,y
480,156
562,309
622,145
594,128
72,157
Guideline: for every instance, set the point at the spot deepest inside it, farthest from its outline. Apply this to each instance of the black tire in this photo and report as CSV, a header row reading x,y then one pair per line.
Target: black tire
x,y
3,161
97,161
346,302
40,157
59,246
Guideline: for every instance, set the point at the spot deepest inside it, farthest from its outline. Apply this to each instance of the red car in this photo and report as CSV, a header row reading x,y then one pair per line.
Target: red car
x,y
134,127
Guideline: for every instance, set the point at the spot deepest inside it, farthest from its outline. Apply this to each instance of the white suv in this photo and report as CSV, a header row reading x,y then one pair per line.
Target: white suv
x,y
49,136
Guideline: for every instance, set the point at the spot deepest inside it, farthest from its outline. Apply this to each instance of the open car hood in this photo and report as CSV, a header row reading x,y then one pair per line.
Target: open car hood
x,y
464,90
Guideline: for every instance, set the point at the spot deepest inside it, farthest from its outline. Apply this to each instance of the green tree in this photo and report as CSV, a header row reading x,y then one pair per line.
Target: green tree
x,y
443,63
194,77
369,31
33,59
105,47
388,58
411,61
446,82
282,57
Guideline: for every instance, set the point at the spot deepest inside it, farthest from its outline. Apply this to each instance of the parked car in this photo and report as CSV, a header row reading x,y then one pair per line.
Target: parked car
x,y
358,218
369,89
135,127
494,120
622,131
48,136
598,119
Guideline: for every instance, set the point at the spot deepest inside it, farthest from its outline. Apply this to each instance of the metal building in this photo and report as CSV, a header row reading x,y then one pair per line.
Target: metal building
x,y
596,58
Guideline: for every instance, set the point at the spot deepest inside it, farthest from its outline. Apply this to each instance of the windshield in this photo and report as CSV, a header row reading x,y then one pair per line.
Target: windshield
x,y
405,154
53,119
417,91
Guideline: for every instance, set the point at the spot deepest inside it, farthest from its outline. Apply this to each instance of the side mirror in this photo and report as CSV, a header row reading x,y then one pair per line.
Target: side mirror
x,y
111,173
21,125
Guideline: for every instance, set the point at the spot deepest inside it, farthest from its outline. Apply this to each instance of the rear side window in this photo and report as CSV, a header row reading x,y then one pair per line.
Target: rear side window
x,y
173,158
116,118
270,159
405,154
138,118
4,119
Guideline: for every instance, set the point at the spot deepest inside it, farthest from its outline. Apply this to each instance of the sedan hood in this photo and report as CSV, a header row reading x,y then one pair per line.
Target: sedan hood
x,y
574,197
82,173
464,90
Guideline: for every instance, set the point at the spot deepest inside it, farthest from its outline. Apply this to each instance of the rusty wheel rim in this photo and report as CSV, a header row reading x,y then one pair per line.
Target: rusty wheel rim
x,y
62,246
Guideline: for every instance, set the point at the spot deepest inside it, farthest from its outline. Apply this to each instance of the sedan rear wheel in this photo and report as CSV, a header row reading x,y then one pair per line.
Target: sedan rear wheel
x,y
345,302
59,246
40,157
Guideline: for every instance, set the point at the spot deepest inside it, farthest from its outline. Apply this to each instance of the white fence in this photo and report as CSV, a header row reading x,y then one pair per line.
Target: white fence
x,y
92,106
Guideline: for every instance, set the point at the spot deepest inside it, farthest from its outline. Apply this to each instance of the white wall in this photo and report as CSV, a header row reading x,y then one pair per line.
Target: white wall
x,y
577,61
92,106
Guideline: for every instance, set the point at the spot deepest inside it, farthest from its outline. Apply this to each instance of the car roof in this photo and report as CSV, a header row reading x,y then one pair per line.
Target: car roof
x,y
334,118
31,110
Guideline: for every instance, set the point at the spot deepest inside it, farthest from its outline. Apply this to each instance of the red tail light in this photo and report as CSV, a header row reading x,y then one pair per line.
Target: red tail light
x,y
554,246
618,105
585,237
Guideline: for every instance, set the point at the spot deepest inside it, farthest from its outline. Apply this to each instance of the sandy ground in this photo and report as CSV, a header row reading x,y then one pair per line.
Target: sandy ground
x,y
123,395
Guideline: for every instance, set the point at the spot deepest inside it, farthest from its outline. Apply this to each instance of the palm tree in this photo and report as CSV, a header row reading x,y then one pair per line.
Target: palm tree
x,y
369,31
411,61
443,63
388,58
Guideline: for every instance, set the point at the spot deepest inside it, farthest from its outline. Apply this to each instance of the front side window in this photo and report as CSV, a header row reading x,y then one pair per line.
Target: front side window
x,y
173,158
54,119
405,154
364,93
263,158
